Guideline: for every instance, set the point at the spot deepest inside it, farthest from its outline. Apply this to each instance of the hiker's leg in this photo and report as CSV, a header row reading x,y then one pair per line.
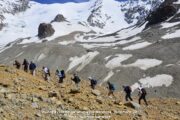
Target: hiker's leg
x,y
140,99
34,72
144,98
130,97
45,76
60,80
126,97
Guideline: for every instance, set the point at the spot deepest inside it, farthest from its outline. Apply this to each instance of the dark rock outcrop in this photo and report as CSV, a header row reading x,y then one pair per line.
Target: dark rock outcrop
x,y
165,11
45,30
59,18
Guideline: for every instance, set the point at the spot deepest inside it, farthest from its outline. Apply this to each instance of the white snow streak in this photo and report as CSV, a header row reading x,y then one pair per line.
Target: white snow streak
x,y
82,61
137,46
145,64
116,61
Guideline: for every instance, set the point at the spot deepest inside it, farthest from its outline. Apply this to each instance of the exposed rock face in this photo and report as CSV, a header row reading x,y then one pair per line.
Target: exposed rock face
x,y
59,18
45,30
165,11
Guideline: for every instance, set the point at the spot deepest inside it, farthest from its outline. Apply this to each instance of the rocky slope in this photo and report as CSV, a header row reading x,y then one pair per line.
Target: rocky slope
x,y
129,56
26,97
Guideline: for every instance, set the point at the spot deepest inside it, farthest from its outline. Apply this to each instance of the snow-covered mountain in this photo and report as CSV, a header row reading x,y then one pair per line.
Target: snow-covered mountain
x,y
100,16
12,7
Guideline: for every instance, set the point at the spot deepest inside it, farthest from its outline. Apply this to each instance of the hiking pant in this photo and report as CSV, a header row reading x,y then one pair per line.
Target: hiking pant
x,y
47,77
33,72
111,92
26,68
61,79
143,96
128,95
93,86
77,85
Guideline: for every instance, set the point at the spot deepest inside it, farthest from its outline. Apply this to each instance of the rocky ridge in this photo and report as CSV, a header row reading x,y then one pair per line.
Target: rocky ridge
x,y
26,97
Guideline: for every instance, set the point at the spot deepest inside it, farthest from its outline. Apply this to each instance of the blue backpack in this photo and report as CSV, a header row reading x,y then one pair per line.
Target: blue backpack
x,y
63,74
112,87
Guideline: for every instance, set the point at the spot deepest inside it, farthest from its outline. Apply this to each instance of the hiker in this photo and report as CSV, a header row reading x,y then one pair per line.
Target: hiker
x,y
76,80
32,68
46,74
61,75
111,88
17,64
93,82
26,64
142,95
127,90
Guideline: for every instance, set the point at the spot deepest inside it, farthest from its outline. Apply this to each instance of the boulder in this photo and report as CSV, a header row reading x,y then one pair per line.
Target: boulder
x,y
53,94
165,11
59,18
178,102
74,91
99,100
45,30
133,105
96,92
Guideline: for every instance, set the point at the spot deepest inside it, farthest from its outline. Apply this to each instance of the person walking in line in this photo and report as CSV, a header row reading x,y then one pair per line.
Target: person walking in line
x,y
93,82
17,64
46,73
32,68
61,76
142,95
111,88
127,90
26,65
76,80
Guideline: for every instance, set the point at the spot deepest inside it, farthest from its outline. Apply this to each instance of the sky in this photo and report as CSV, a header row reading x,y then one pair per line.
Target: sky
x,y
62,1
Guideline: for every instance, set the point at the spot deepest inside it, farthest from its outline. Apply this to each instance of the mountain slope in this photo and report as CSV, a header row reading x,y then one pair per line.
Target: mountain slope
x,y
130,56
26,97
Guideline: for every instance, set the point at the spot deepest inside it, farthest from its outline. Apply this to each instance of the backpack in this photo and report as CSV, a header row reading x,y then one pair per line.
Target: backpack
x,y
143,91
77,79
112,87
127,89
63,74
94,81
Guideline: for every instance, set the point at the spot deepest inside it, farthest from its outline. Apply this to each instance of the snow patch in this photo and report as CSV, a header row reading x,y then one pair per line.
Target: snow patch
x,y
67,42
168,25
175,34
41,57
110,74
116,61
156,81
82,61
145,64
137,46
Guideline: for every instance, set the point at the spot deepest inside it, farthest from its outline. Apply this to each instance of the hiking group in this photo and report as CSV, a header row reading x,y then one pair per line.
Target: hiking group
x,y
76,79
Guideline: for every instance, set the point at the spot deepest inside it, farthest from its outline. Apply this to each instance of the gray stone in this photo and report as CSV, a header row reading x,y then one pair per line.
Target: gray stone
x,y
53,94
59,18
74,91
99,100
134,105
45,30
96,92
34,105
